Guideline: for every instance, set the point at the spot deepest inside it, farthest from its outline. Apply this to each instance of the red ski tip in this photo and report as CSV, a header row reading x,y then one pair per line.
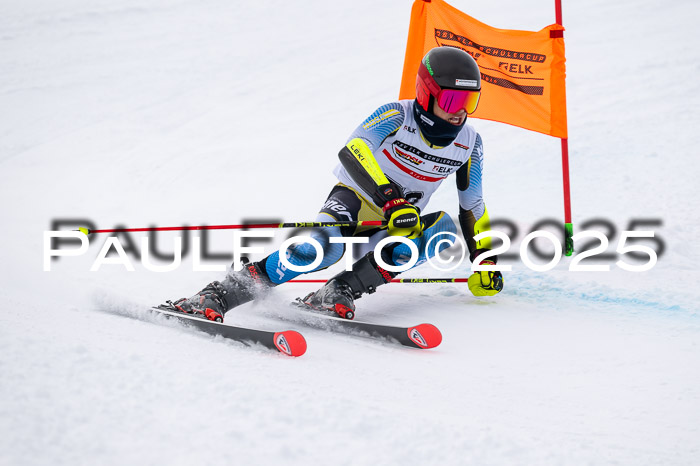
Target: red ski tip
x,y
290,342
425,335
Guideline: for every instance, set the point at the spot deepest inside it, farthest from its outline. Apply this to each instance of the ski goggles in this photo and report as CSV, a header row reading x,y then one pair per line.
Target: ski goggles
x,y
449,100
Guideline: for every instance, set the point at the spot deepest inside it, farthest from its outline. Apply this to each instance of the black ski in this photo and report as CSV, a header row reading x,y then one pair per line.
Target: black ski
x,y
423,336
289,342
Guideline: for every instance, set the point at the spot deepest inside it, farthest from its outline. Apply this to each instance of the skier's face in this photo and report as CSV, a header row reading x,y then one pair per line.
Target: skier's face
x,y
456,118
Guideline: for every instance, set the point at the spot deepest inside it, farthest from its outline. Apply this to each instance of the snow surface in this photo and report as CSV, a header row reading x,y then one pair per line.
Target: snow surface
x,y
156,112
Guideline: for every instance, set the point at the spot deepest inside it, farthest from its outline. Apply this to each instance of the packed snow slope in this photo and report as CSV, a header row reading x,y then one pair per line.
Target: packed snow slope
x,y
156,112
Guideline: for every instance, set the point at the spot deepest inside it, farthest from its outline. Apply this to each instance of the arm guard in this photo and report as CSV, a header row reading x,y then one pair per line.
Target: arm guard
x,y
473,216
472,227
357,158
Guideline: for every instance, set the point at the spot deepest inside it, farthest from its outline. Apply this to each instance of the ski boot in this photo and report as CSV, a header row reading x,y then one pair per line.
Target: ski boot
x,y
335,296
209,303
338,294
217,298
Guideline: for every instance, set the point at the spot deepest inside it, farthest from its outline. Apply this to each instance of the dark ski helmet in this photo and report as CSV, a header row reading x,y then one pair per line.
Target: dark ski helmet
x,y
451,77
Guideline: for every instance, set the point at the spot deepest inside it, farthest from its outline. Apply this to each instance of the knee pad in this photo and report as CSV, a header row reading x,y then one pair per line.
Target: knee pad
x,y
438,227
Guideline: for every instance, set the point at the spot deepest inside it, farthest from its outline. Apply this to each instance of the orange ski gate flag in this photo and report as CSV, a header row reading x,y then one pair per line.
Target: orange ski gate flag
x,y
522,72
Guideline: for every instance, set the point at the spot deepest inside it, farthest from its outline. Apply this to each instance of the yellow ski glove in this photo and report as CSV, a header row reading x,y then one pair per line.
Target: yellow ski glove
x,y
403,219
485,283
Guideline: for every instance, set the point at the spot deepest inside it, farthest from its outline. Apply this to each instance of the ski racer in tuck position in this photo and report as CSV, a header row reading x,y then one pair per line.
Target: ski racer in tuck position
x,y
393,162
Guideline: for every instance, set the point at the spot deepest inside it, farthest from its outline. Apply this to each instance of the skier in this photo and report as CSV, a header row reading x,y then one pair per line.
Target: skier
x,y
393,162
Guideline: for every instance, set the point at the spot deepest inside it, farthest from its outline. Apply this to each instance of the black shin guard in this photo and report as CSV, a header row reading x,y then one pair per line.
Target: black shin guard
x,y
365,276
245,285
